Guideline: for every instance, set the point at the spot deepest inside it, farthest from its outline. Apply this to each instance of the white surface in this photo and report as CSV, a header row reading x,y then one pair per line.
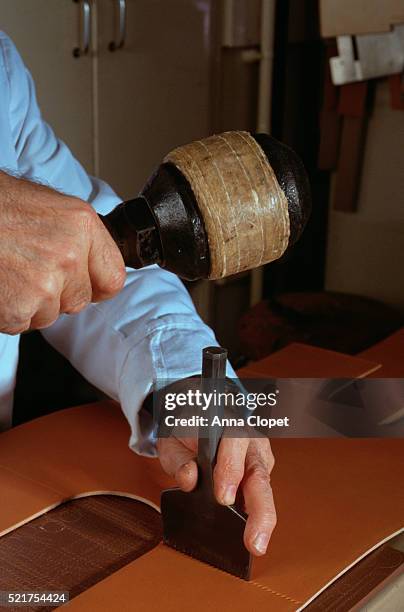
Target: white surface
x,y
154,93
46,32
378,55
365,254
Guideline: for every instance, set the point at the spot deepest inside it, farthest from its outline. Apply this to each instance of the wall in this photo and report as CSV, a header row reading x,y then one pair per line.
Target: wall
x,y
365,252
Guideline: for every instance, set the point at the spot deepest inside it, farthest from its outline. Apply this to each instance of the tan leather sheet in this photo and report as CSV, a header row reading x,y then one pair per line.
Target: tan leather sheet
x,y
336,499
304,361
390,353
67,454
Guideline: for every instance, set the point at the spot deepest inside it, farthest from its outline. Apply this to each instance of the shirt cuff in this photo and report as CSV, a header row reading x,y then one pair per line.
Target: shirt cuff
x,y
170,350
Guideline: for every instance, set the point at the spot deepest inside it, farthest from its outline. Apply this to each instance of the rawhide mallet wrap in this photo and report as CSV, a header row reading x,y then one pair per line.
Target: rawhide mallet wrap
x,y
244,209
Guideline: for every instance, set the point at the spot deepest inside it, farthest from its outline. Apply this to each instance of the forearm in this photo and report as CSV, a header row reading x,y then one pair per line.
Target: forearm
x,y
149,331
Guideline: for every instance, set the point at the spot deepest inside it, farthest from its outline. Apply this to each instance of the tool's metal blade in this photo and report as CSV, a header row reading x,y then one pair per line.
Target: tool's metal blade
x,y
206,530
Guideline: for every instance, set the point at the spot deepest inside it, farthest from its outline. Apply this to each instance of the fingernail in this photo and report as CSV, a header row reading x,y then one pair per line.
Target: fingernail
x,y
261,542
229,495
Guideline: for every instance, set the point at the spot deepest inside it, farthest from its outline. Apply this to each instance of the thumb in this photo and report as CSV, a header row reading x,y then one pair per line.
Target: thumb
x,y
177,458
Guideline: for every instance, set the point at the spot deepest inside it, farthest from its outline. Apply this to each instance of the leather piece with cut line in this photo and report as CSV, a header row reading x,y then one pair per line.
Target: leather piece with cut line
x,y
171,581
75,452
336,499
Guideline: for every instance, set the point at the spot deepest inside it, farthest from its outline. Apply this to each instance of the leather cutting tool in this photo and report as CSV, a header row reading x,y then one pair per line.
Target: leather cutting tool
x,y
195,523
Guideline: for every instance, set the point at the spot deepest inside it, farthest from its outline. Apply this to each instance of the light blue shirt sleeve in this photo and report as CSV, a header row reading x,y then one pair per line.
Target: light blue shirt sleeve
x,y
150,330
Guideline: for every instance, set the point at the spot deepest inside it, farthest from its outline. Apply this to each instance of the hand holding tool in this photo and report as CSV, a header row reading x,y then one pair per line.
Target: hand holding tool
x,y
195,523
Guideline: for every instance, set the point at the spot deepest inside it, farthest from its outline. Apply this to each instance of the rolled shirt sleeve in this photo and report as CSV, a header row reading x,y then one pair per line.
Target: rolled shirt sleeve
x,y
149,331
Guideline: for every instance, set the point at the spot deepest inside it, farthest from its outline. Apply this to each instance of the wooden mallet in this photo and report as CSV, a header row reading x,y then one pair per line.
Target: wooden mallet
x,y
216,207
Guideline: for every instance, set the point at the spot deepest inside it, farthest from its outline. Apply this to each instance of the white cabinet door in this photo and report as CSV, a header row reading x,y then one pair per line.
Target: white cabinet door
x,y
154,92
46,32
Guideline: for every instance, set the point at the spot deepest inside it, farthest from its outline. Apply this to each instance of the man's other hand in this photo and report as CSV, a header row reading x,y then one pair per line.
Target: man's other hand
x,y
244,463
55,256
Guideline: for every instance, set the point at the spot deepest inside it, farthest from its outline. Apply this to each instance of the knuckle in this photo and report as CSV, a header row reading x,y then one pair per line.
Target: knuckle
x,y
18,307
48,286
261,452
84,213
259,472
71,257
227,469
23,316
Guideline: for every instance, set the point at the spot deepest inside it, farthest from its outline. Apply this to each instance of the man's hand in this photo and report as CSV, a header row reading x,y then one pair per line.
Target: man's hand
x,y
55,256
241,462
